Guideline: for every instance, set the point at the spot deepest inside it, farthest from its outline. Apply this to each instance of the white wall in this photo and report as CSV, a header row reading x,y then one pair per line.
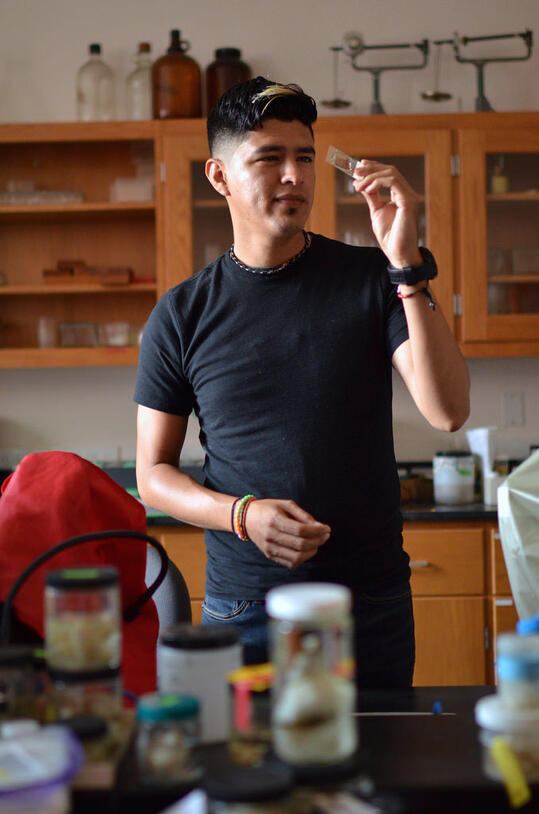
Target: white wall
x,y
42,44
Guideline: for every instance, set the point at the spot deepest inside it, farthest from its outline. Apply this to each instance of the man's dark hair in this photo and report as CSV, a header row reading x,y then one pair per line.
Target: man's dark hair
x,y
248,104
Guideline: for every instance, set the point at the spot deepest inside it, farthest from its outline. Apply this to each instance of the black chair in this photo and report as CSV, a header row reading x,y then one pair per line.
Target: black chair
x,y
172,597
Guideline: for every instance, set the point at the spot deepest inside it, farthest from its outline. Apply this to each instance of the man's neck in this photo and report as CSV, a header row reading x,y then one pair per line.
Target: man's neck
x,y
269,251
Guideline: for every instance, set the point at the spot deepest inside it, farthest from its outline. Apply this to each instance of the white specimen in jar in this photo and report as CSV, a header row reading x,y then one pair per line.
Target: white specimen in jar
x,y
83,642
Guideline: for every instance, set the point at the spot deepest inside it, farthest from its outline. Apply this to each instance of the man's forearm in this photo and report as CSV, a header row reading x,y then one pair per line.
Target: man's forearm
x,y
165,487
438,377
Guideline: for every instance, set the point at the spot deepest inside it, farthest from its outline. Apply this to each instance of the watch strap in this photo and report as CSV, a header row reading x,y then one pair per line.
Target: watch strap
x,y
410,275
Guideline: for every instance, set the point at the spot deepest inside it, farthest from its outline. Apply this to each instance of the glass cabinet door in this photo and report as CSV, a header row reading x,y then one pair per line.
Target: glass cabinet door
x,y
499,220
423,158
197,223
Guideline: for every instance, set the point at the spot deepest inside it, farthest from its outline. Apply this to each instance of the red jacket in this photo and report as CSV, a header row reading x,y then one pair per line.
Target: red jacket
x,y
55,495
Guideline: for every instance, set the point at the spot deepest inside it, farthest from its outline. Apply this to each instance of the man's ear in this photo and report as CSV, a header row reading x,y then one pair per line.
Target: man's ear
x,y
216,175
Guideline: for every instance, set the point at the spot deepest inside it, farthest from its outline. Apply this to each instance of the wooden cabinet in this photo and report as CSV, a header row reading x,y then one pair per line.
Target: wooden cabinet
x,y
448,585
460,589
84,224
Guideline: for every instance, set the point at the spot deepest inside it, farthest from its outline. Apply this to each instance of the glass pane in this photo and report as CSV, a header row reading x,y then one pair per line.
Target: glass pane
x,y
212,228
352,216
513,233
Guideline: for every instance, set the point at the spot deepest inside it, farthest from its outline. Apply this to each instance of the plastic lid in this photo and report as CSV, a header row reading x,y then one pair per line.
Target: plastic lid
x,y
249,784
94,48
308,601
13,655
155,706
199,637
227,53
86,577
491,713
530,625
86,727
454,453
38,761
144,47
74,677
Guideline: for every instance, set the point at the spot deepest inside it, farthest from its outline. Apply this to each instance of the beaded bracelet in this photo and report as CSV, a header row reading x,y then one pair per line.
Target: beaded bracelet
x,y
425,291
239,511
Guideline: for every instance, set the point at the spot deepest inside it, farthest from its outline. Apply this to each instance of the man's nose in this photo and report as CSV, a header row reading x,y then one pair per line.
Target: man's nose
x,y
291,172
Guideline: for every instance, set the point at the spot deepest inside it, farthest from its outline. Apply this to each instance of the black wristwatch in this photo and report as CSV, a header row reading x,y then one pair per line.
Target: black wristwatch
x,y
410,275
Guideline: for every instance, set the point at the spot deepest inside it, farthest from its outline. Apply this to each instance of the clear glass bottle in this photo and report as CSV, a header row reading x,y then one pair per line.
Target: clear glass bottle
x,y
313,692
176,82
517,664
139,85
95,88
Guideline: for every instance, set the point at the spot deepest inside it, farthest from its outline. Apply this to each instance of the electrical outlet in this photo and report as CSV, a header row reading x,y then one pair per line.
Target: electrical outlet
x,y
513,409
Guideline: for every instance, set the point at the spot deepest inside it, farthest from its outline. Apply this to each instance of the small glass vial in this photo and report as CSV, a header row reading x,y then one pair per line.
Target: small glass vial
x,y
499,182
517,664
167,730
83,640
313,693
139,85
95,88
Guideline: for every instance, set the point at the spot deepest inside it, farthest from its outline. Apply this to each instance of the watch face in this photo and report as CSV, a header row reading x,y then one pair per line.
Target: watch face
x,y
412,275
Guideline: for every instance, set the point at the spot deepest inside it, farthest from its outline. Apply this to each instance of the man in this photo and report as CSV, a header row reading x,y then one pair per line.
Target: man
x,y
283,348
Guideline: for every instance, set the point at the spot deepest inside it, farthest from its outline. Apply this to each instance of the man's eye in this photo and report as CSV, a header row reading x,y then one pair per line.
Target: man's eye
x,y
269,158
308,159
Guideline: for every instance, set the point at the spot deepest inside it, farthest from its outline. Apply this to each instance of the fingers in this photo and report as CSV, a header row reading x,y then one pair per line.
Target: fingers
x,y
284,532
372,176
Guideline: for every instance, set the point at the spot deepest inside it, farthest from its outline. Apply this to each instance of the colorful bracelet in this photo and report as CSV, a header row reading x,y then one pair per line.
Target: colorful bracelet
x,y
425,291
239,511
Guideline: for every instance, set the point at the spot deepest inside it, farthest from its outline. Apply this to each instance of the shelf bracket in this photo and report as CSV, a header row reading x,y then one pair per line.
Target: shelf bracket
x,y
455,165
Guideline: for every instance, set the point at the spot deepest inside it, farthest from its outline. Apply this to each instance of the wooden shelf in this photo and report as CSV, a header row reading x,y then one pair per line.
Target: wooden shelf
x,y
507,197
67,357
32,211
210,203
73,288
514,279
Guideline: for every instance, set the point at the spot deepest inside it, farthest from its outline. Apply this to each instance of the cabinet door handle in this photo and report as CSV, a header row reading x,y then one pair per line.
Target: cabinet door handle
x,y
497,536
419,564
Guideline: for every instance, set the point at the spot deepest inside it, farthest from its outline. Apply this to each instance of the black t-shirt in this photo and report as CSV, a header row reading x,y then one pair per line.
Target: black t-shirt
x,y
290,377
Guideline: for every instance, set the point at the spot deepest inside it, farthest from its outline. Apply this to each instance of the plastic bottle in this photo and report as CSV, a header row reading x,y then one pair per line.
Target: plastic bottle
x,y
139,85
95,88
176,82
225,71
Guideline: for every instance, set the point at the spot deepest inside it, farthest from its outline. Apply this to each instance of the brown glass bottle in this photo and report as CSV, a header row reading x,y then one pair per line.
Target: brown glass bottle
x,y
176,85
226,70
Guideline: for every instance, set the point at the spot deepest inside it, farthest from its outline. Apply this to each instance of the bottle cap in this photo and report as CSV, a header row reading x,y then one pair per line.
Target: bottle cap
x,y
155,706
227,53
94,48
309,601
144,47
87,578
529,625
184,636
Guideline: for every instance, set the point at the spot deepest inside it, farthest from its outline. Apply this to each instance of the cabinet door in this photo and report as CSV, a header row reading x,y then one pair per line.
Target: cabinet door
x,y
197,226
450,641
423,157
499,237
61,206
445,561
185,547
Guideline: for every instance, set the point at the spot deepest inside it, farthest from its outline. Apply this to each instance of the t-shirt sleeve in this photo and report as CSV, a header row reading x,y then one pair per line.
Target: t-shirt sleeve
x,y
396,325
161,382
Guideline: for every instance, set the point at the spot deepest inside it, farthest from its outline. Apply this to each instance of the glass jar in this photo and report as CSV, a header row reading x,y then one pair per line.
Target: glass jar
x,y
313,693
250,736
16,681
139,85
167,730
176,82
226,70
517,664
83,640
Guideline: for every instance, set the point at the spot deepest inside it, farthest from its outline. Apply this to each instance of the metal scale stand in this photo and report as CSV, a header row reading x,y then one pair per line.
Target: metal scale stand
x,y
354,47
481,102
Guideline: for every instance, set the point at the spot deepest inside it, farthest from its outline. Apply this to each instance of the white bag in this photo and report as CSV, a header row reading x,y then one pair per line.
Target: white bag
x,y
518,518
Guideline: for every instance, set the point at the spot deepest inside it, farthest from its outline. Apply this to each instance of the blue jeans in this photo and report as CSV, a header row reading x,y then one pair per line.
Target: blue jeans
x,y
384,646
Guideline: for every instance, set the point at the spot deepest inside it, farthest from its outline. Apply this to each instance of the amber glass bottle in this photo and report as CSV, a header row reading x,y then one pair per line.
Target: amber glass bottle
x,y
176,82
225,71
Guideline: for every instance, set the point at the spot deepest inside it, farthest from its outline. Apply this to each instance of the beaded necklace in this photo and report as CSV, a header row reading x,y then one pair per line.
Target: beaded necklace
x,y
272,269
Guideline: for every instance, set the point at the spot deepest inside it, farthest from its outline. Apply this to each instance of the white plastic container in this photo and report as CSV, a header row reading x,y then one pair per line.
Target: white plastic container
x,y
453,477
517,664
196,660
519,729
313,694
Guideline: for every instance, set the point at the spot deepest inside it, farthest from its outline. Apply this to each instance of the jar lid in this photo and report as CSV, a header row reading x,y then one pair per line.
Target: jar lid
x,y
530,625
199,637
88,577
13,655
74,677
454,453
492,713
155,706
249,784
308,601
94,48
227,53
85,727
